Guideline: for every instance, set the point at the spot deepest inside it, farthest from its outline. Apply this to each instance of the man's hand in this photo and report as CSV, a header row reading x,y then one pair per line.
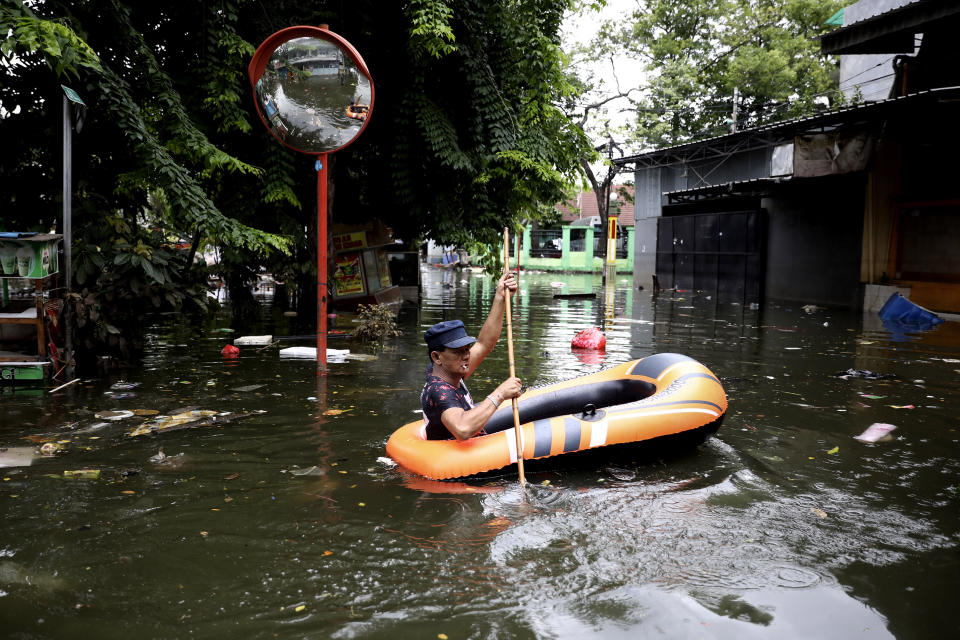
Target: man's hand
x,y
507,282
510,388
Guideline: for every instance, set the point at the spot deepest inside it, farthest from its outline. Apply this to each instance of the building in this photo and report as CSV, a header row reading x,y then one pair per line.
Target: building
x,y
824,209
584,205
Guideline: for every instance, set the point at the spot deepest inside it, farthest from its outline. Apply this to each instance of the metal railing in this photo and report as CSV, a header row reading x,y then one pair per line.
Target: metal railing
x,y
546,243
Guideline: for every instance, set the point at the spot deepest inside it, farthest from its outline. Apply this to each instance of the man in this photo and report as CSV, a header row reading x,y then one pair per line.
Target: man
x,y
448,409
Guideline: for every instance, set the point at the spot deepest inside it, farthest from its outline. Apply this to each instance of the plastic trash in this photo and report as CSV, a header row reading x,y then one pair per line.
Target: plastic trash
x,y
591,338
18,456
166,423
253,340
333,355
248,388
899,314
113,415
308,471
83,474
876,432
50,449
230,351
865,375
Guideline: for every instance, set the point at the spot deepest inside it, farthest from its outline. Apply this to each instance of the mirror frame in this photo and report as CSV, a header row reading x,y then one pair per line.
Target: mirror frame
x,y
261,56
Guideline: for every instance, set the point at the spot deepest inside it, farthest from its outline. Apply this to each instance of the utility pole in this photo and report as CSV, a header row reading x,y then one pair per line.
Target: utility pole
x,y
78,110
736,101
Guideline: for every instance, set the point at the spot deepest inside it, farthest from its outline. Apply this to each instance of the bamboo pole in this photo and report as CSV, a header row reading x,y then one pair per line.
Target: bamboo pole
x,y
516,409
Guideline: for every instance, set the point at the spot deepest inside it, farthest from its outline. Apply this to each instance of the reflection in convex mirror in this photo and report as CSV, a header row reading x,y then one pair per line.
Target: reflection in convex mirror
x,y
312,96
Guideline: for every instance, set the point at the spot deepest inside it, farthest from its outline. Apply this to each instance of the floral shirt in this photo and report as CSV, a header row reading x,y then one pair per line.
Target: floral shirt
x,y
439,395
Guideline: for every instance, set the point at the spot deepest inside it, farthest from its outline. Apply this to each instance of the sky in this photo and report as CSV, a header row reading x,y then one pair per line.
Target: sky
x,y
581,29
629,73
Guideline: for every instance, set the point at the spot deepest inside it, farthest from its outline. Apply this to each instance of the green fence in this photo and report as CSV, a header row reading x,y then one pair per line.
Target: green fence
x,y
572,255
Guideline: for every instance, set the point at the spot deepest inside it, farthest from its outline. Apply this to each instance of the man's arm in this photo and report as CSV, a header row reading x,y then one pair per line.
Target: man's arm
x,y
493,326
466,424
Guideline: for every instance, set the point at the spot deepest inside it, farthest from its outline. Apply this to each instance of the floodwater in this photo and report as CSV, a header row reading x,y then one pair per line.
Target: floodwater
x,y
286,523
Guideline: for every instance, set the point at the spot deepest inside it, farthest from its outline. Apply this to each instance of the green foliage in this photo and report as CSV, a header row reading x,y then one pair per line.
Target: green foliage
x,y
431,33
122,272
465,137
376,323
62,49
487,145
699,51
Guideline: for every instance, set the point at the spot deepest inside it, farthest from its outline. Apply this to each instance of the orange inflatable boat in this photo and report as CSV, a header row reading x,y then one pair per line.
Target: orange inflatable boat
x,y
662,398
358,111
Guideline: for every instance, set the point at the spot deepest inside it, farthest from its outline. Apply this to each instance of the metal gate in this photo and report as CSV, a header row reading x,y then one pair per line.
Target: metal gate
x,y
717,253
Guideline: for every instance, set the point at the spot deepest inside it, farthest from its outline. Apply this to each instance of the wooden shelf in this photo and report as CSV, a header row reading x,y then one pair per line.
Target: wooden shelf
x,y
31,315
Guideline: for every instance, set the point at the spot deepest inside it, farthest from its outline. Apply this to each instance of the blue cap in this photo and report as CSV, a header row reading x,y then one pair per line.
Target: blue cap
x,y
449,333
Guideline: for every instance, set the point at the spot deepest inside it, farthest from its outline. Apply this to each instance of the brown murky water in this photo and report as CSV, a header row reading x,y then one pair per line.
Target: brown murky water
x,y
285,524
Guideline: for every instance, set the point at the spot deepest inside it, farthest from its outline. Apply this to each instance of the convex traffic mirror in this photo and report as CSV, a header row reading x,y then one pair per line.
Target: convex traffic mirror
x,y
313,92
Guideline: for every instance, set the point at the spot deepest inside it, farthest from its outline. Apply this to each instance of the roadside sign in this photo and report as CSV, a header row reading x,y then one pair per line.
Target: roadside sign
x,y
11,371
72,95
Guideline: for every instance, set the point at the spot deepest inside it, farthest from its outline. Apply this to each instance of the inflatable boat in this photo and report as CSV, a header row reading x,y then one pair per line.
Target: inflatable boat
x,y
663,398
358,111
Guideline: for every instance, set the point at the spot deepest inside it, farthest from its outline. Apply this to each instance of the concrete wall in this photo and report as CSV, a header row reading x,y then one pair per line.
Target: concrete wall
x,y
646,209
815,231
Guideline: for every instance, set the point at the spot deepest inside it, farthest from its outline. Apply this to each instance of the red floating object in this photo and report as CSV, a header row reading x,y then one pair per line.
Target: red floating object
x,y
230,351
591,338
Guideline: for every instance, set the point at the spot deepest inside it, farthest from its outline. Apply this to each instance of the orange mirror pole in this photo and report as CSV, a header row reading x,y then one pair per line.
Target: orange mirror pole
x,y
516,409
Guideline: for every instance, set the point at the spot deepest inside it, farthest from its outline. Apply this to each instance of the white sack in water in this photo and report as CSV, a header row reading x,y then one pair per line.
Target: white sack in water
x,y
876,432
333,355
253,340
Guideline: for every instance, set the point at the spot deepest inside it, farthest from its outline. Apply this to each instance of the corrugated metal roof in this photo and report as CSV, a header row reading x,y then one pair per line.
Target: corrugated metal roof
x,y
890,31
729,187
834,116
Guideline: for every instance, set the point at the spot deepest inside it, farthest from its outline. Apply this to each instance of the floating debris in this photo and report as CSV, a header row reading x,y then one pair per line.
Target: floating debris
x,y
361,357
50,449
865,375
18,456
114,415
248,388
308,471
333,355
877,432
253,340
188,419
82,474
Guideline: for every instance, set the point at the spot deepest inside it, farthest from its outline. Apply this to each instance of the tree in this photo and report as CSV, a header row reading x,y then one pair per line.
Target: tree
x,y
465,137
700,53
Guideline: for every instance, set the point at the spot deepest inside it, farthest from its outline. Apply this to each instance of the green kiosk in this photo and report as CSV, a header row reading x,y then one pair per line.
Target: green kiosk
x,y
28,272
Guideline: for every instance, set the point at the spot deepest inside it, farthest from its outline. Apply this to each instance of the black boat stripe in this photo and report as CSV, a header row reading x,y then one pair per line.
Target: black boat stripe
x,y
543,438
571,428
653,366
